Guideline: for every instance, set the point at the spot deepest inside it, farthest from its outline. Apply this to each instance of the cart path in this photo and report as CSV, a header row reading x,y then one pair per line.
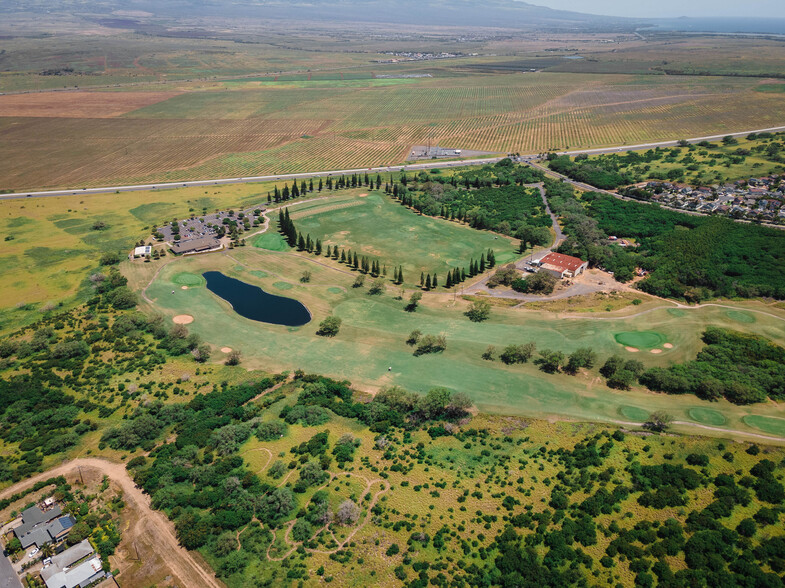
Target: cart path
x,y
183,564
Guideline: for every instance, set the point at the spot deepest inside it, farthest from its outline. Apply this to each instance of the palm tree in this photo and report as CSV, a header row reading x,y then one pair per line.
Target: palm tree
x,y
47,551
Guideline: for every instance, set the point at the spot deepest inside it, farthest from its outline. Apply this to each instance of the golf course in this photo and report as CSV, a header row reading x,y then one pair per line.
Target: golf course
x,y
371,351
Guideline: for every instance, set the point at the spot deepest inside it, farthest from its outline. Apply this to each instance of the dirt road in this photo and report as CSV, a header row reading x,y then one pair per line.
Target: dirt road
x,y
158,528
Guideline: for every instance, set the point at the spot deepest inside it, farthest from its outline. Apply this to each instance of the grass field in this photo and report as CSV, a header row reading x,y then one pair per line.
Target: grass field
x,y
379,228
374,329
190,131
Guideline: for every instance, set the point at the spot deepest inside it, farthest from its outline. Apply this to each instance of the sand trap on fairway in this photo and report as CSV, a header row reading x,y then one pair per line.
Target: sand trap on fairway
x,y
363,195
668,346
656,351
183,287
632,349
226,349
183,319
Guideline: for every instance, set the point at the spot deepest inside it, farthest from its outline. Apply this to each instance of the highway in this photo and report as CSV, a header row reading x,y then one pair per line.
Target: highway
x,y
372,170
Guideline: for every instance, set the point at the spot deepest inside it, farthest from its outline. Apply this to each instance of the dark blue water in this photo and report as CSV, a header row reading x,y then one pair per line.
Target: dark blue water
x,y
254,303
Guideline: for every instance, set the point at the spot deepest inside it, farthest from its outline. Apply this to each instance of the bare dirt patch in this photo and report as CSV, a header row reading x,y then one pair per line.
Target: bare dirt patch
x,y
632,349
183,319
79,104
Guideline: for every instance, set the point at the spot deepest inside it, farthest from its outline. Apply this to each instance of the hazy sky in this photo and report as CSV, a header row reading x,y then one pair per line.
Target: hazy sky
x,y
671,8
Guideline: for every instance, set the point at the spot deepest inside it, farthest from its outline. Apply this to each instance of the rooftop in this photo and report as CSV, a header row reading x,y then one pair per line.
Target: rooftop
x,y
562,262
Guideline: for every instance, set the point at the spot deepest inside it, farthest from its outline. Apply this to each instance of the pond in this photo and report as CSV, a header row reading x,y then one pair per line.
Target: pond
x,y
254,303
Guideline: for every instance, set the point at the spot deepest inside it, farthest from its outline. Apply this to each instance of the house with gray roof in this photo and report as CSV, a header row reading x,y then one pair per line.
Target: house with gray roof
x,y
74,567
41,527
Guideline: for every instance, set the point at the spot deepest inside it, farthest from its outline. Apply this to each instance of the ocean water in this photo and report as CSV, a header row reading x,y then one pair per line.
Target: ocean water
x,y
721,25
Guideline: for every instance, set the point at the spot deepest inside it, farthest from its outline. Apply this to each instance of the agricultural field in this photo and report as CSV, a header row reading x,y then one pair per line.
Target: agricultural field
x,y
241,128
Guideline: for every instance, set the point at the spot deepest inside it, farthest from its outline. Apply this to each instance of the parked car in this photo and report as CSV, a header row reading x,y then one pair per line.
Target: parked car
x,y
33,552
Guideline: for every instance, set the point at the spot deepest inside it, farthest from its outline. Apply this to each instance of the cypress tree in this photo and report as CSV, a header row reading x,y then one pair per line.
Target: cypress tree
x,y
356,263
320,184
343,256
269,198
281,219
378,181
310,185
295,190
309,243
482,263
335,252
449,280
491,259
277,194
300,242
463,274
285,193
434,282
328,249
428,282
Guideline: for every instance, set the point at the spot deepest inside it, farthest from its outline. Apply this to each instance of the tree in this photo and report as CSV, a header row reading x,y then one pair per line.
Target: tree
x,y
302,530
277,505
348,512
359,281
413,338
658,421
201,353
580,358
329,327
551,361
490,353
479,311
233,358
377,287
513,354
414,300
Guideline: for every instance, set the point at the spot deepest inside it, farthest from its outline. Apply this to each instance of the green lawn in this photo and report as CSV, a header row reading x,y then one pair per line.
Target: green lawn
x,y
377,227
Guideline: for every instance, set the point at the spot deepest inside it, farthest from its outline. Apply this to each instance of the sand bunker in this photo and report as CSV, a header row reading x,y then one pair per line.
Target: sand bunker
x,y
363,195
668,346
226,349
183,319
656,351
632,349
183,287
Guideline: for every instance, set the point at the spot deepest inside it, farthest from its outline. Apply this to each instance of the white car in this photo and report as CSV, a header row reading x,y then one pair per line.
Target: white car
x,y
33,552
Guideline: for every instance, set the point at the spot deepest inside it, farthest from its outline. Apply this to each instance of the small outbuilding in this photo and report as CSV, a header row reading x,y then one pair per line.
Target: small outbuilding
x,y
143,251
563,266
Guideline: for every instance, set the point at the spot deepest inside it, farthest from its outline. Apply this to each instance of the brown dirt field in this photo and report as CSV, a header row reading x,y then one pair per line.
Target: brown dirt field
x,y
161,560
79,104
183,319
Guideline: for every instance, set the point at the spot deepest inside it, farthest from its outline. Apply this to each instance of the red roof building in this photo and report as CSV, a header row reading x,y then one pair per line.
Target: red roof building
x,y
563,266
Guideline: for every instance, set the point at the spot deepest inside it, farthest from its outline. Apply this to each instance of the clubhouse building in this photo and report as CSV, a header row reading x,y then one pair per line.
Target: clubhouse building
x,y
562,266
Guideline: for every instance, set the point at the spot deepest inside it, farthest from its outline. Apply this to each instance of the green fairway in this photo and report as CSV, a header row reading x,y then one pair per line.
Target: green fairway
x,y
707,416
634,413
641,339
772,425
374,329
740,316
188,279
270,241
377,227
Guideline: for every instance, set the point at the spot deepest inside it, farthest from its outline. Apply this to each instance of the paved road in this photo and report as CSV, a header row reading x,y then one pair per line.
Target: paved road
x,y
372,170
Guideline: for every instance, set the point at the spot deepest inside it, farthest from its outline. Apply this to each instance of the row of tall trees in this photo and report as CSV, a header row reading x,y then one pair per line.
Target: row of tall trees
x,y
340,183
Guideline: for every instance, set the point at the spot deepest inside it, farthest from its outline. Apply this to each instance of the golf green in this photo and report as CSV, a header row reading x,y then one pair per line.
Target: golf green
x,y
335,290
259,273
271,242
641,339
707,416
772,425
283,285
634,413
740,316
188,279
